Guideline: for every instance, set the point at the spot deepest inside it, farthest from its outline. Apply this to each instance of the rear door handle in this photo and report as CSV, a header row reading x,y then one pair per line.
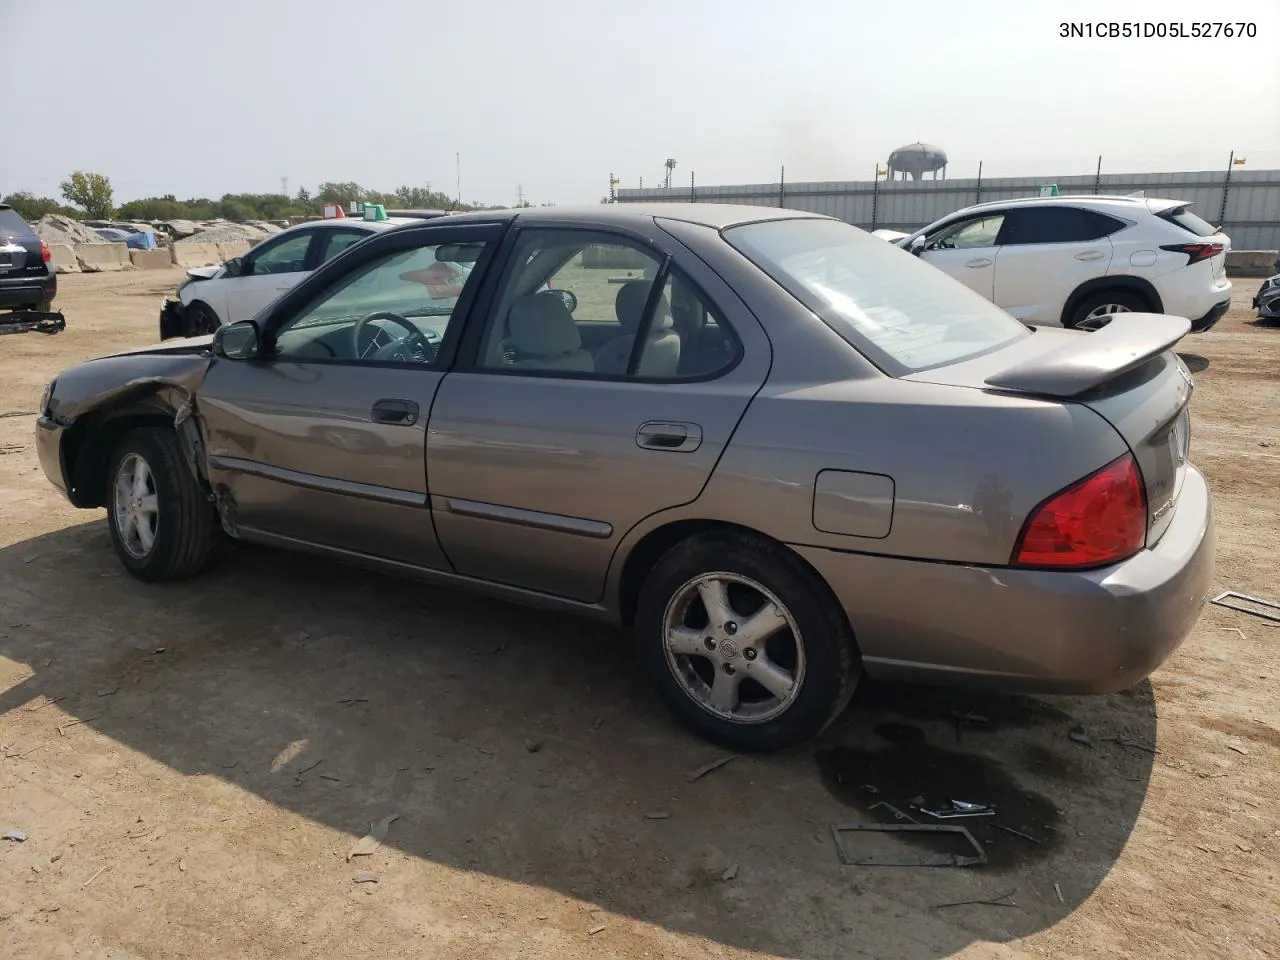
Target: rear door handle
x,y
980,262
1089,255
404,412
671,436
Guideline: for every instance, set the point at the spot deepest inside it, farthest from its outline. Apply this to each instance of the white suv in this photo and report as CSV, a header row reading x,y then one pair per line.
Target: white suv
x,y
1072,261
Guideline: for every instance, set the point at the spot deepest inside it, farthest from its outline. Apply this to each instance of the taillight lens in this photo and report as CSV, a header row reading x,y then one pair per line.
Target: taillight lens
x,y
45,255
1195,251
1100,520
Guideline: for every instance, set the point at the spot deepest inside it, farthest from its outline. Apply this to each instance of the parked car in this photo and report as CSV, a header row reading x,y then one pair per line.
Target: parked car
x,y
1267,300
1076,261
239,288
781,450
27,278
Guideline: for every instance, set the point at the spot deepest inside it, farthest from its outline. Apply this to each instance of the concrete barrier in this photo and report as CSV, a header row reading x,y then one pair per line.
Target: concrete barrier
x,y
102,257
233,248
189,253
1253,263
64,258
156,259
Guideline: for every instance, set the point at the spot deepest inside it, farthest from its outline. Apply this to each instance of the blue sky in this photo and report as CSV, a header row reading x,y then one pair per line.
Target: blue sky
x,y
204,98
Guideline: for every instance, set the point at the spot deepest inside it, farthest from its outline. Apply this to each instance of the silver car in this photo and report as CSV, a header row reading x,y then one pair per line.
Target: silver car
x,y
782,451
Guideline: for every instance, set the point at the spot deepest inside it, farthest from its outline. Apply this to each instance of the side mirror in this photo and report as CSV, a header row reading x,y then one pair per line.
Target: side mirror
x,y
234,267
567,297
236,341
917,245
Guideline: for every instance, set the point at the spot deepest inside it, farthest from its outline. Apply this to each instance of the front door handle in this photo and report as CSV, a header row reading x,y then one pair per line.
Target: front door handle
x,y
403,412
980,262
671,436
1089,255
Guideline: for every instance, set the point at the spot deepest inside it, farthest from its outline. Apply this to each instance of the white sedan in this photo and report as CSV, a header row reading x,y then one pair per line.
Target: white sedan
x,y
211,297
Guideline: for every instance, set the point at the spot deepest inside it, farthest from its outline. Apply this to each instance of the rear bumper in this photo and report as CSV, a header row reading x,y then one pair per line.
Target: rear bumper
x,y
1213,316
1092,632
27,291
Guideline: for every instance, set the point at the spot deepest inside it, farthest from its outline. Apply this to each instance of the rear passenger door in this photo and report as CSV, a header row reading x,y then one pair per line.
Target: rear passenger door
x,y
542,454
1045,254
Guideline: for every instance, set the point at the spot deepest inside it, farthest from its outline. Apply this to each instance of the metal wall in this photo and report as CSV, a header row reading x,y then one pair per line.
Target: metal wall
x,y
1252,213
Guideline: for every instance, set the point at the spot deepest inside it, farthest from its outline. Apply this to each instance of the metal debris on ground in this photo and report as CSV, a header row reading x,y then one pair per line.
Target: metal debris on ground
x,y
101,871
598,928
1135,744
364,878
730,872
370,841
1016,833
706,768
1077,734
17,836
310,766
918,860
657,815
1237,749
897,814
182,866
1236,630
1001,900
959,808
75,723
1229,595
44,703
1058,890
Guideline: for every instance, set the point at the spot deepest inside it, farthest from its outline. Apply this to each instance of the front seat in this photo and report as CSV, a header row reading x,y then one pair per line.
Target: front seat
x,y
542,330
660,356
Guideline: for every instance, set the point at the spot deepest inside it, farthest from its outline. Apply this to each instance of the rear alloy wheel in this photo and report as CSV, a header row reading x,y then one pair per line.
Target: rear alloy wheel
x,y
162,527
1095,311
745,644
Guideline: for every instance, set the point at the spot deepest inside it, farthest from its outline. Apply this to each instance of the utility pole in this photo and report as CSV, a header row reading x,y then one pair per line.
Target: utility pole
x,y
519,195
284,185
1226,189
457,157
1097,177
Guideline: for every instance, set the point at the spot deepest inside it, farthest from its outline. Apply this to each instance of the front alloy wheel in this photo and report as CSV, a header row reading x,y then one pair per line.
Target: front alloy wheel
x,y
136,505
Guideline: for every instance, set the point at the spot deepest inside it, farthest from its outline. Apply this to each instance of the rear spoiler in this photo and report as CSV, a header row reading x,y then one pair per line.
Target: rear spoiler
x,y
1090,360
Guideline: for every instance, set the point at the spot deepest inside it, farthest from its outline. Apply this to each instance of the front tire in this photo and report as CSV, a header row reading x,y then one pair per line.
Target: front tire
x,y
203,319
744,643
162,527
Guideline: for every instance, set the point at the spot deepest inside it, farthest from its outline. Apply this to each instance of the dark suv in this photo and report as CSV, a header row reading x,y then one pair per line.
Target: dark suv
x,y
27,279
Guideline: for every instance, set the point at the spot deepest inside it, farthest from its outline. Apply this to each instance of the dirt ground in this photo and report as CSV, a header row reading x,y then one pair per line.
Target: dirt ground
x,y
190,765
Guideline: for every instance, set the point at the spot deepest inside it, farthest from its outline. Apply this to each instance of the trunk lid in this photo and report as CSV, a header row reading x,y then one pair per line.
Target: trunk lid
x,y
1126,372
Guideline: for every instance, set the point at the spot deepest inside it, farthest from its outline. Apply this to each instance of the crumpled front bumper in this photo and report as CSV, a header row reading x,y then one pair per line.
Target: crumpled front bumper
x,y
174,321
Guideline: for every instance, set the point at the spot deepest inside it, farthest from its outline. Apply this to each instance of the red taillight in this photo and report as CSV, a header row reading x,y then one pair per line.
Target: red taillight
x,y
1102,519
45,255
1195,251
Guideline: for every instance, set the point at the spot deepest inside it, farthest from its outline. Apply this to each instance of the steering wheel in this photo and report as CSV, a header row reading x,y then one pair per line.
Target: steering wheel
x,y
414,347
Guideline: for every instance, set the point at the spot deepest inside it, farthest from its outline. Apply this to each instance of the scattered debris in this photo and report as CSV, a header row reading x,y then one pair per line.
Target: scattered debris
x,y
364,878
1135,744
533,746
1207,849
55,858
1238,749
919,860
868,788
1077,733
1244,846
101,871
1236,630
598,928
959,808
657,815
1002,900
897,814
109,691
1058,890
706,768
182,866
1016,833
310,766
330,776
73,723
350,700
597,723
1222,598
17,836
730,872
25,753
369,842
45,703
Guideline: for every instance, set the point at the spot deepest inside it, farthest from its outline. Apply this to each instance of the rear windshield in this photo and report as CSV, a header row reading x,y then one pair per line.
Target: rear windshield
x,y
1184,218
901,313
12,225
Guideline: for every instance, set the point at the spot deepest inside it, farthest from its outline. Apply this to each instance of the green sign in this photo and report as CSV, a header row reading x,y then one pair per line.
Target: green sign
x,y
1047,190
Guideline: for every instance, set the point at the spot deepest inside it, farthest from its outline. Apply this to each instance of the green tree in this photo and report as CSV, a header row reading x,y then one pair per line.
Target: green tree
x,y
30,207
91,192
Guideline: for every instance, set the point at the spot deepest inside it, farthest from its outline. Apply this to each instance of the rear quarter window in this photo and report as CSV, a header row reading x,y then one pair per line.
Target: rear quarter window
x,y
1188,221
12,225
1056,225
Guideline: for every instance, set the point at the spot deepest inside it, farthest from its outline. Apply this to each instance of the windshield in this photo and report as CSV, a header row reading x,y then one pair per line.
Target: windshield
x,y
901,313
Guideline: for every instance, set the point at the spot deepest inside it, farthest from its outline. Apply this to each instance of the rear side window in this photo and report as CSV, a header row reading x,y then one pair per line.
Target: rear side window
x,y
902,313
1188,221
12,225
1056,225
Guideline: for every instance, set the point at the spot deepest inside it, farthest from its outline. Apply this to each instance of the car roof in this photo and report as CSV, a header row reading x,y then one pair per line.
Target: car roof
x,y
717,215
1084,199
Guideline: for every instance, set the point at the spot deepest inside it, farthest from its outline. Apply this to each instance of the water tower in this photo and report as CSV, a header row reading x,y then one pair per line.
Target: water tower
x,y
917,159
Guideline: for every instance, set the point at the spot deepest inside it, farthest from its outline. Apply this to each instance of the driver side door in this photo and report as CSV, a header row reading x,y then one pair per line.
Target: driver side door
x,y
966,250
266,272
321,441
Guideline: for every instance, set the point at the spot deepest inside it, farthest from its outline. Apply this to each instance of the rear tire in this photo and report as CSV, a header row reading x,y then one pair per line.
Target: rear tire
x,y
1092,312
162,527
712,671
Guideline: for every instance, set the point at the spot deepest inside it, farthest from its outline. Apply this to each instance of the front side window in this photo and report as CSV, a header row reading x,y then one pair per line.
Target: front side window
x,y
902,313
287,255
587,303
967,234
396,309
